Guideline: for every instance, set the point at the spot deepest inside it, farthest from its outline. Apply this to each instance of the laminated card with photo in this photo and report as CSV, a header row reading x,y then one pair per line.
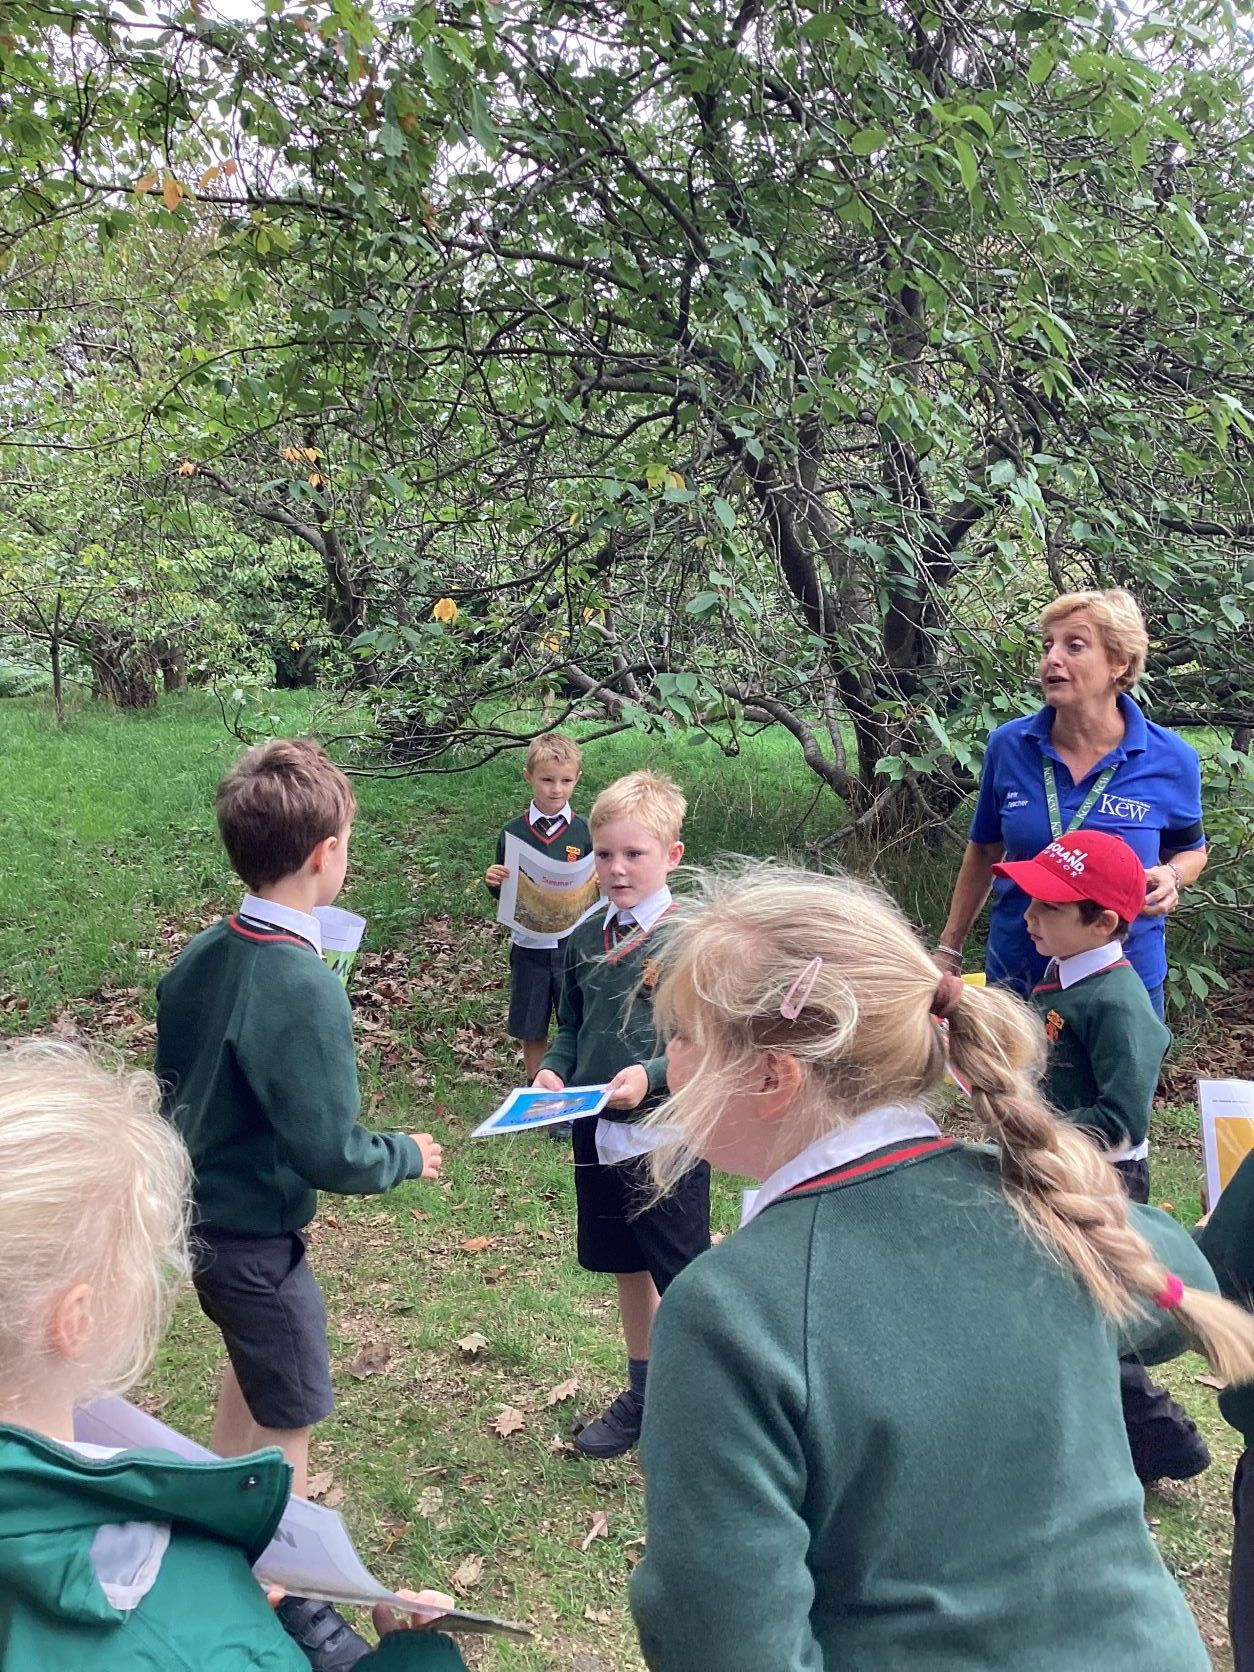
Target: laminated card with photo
x,y
1226,1111
528,1108
545,896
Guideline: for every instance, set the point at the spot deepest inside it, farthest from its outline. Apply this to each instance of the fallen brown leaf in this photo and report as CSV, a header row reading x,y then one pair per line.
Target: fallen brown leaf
x,y
372,1360
600,1528
334,1498
599,1616
475,1245
563,1390
430,1502
509,1421
472,1343
467,1574
319,1484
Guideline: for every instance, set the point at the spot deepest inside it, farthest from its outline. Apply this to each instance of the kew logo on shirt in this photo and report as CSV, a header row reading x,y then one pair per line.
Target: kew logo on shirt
x,y
1120,807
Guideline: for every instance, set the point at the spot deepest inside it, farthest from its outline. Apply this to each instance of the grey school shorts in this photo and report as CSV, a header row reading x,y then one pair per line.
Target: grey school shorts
x,y
535,987
262,1295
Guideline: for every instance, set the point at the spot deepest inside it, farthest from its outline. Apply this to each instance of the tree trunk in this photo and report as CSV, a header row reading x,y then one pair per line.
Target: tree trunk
x,y
54,657
173,665
123,672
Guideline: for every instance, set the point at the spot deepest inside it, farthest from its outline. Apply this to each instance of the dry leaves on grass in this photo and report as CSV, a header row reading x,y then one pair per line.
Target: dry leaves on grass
x,y
372,1360
563,1390
600,1528
467,1574
509,1421
472,1343
599,1616
475,1245
430,1502
319,1484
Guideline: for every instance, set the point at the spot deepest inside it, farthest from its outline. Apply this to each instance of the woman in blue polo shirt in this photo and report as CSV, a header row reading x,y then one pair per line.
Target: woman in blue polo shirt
x,y
1088,760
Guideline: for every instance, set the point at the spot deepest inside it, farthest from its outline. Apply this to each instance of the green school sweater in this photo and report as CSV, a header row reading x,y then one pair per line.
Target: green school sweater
x,y
884,1431
255,1057
1227,1240
572,841
605,1018
1106,1048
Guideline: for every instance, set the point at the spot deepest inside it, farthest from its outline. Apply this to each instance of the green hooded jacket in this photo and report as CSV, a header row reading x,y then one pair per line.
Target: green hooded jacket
x,y
141,1562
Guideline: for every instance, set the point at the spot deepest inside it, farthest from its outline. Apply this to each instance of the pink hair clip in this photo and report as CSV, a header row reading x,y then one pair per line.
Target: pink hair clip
x,y
1171,1293
794,1000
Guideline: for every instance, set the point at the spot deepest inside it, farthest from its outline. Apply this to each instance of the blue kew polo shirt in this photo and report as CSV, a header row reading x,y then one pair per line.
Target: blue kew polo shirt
x,y
1154,801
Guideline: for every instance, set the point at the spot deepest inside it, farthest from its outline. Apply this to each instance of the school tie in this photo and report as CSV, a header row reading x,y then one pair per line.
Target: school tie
x,y
549,823
620,927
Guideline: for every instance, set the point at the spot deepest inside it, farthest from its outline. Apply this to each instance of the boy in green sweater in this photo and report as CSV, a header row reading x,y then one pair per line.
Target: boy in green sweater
x,y
1106,1048
1227,1240
258,1072
606,1034
549,826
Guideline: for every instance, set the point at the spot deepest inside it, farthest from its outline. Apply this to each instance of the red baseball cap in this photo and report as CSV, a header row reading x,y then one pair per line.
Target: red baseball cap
x,y
1084,865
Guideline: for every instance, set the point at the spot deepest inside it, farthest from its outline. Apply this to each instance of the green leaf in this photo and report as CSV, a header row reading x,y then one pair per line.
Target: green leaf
x,y
481,123
725,513
867,140
968,167
1042,65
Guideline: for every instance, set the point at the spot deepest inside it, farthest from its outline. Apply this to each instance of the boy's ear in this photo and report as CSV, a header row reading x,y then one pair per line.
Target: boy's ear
x,y
320,853
69,1324
1107,924
674,854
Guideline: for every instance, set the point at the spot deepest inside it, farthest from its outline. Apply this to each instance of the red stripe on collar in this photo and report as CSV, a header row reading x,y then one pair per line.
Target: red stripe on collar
x,y
257,935
553,834
1057,986
859,1169
633,941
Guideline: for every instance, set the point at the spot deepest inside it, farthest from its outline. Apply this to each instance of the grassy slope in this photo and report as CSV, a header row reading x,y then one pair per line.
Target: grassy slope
x,y
113,861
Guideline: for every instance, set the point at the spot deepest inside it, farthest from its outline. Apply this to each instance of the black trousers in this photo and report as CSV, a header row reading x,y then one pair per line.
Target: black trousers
x,y
1241,1589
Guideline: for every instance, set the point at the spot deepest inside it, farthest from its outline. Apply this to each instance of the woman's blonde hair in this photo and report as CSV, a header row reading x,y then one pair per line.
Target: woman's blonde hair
x,y
94,1188
732,949
1119,622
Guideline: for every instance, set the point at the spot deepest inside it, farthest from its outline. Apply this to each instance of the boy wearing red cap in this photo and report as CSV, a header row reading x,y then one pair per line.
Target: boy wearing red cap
x,y
1106,1043
1106,1048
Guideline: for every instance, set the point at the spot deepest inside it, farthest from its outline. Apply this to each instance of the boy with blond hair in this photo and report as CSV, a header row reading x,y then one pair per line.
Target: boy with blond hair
x,y
255,1056
606,1034
549,826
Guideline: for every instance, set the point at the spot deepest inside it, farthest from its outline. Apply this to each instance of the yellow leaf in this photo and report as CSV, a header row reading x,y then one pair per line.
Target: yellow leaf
x,y
291,454
445,610
674,479
311,453
146,183
172,192
315,480
209,176
230,167
574,518
187,468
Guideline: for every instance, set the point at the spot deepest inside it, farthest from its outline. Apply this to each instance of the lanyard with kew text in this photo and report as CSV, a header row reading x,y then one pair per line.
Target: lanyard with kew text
x,y
1051,798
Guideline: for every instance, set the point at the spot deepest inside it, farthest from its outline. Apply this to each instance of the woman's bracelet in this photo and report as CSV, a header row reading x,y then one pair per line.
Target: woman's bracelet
x,y
1175,874
949,951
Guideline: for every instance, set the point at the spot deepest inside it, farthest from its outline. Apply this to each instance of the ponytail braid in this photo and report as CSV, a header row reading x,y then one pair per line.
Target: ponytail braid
x,y
1066,1192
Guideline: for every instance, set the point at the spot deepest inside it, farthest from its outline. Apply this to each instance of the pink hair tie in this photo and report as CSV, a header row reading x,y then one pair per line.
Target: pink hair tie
x,y
1171,1293
794,1000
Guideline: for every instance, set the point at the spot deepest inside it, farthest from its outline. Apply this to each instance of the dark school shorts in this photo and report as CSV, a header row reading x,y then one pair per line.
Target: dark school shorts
x,y
535,986
1135,1178
262,1295
618,1232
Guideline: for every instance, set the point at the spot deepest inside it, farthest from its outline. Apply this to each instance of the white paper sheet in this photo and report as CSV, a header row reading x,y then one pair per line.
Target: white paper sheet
x,y
556,893
310,1555
1226,1111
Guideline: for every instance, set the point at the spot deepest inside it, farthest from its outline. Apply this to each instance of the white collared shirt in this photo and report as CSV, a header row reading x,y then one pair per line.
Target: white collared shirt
x,y
645,913
283,917
534,815
891,1124
1080,964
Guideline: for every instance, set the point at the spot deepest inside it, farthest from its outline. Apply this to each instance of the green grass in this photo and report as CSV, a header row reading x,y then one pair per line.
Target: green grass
x,y
114,861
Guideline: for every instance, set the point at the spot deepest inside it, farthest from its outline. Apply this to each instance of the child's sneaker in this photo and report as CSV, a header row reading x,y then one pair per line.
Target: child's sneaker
x,y
615,1431
328,1642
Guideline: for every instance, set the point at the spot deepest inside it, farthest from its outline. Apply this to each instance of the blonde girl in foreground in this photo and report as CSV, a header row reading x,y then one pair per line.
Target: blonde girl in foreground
x,y
126,1560
884,1426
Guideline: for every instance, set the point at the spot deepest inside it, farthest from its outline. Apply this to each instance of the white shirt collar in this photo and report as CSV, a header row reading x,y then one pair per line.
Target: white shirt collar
x,y
645,913
875,1130
534,815
1080,964
284,917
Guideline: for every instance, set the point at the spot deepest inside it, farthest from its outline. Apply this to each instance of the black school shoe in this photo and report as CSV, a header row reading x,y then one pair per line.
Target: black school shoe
x,y
1166,1444
328,1642
615,1431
